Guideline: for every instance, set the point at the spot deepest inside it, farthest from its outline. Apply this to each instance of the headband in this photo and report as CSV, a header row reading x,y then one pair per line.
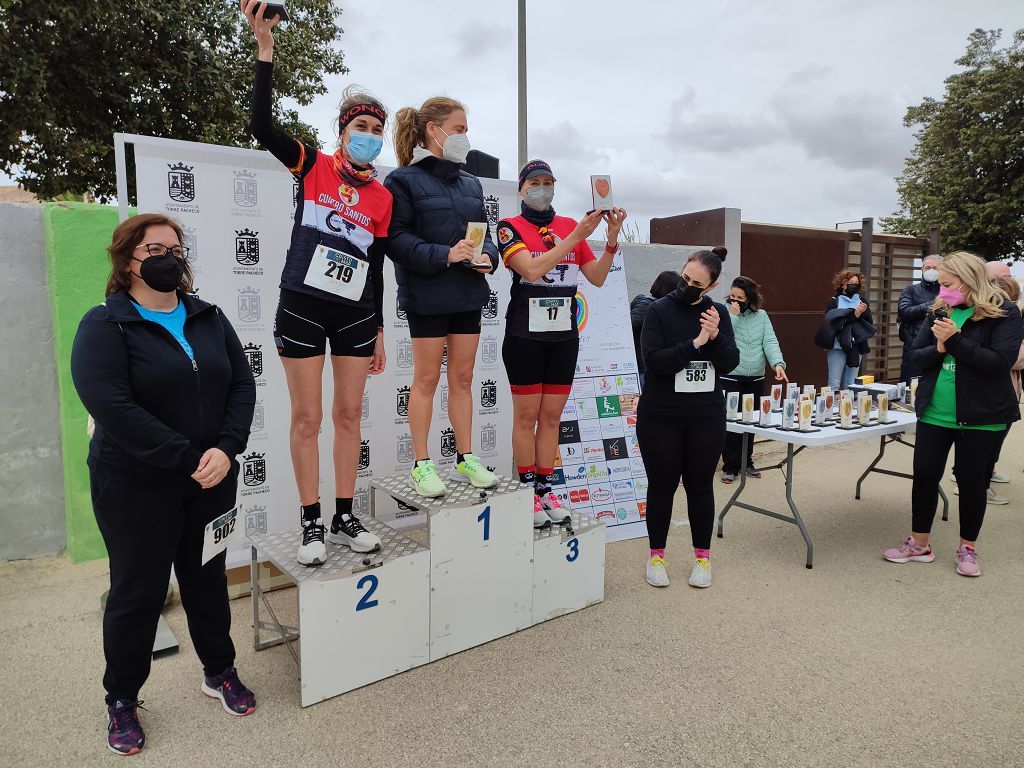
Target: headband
x,y
361,109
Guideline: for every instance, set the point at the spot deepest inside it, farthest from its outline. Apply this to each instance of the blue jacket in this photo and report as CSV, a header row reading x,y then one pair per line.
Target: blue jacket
x,y
433,201
155,410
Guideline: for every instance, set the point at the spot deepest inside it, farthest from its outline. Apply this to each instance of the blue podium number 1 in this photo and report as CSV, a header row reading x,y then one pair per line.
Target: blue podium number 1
x,y
485,518
365,602
574,549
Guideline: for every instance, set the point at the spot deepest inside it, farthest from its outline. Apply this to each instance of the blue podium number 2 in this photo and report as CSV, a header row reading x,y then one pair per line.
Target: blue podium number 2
x,y
372,582
485,518
574,549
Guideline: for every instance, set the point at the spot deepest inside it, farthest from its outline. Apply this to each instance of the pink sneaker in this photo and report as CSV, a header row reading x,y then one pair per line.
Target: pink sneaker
x,y
909,551
967,561
540,515
556,512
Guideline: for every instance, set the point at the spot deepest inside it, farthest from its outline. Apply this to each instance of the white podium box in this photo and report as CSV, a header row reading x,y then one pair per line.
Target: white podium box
x,y
363,617
568,567
481,553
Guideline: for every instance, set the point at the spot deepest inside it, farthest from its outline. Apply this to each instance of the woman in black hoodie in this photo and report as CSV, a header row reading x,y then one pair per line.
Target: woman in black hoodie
x,y
687,343
164,377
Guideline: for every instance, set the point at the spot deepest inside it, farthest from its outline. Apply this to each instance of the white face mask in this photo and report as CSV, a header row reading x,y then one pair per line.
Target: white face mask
x,y
456,146
930,275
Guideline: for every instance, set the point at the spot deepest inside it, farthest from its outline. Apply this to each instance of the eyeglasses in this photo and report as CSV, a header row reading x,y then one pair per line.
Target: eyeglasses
x,y
158,249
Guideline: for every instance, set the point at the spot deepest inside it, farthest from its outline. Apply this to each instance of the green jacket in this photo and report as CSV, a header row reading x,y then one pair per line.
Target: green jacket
x,y
757,343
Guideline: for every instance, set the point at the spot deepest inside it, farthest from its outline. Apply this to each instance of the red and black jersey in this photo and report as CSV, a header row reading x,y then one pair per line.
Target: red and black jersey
x,y
517,235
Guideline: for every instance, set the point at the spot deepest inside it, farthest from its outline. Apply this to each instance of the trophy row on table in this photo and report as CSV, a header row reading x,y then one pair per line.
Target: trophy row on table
x,y
808,410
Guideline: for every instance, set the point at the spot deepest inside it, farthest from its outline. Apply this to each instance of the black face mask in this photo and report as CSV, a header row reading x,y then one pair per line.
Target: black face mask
x,y
690,294
162,273
744,305
852,290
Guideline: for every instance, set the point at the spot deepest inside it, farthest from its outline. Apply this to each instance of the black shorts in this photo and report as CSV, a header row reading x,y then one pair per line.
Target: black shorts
x,y
540,367
305,323
438,326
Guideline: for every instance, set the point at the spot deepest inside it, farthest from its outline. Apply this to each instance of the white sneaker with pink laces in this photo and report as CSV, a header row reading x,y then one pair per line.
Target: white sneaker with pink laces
x,y
558,514
540,515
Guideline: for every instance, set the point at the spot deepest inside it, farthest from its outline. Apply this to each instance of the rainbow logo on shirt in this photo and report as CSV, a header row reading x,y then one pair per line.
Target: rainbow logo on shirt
x,y
581,311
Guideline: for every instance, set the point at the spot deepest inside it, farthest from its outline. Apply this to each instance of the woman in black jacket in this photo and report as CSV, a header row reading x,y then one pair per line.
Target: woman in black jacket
x,y
663,285
965,398
441,285
846,329
687,344
164,378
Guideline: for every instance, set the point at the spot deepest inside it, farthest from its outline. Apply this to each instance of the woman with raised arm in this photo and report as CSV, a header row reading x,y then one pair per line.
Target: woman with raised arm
x,y
332,290
546,254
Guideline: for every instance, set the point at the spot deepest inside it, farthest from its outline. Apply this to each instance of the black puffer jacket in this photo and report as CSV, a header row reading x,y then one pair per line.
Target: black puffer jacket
x,y
433,201
984,351
155,412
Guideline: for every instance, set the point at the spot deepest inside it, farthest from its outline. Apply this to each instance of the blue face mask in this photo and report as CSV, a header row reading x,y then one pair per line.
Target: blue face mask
x,y
363,148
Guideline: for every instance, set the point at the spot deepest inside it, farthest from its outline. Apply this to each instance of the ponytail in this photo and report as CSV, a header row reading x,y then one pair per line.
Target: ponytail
x,y
411,124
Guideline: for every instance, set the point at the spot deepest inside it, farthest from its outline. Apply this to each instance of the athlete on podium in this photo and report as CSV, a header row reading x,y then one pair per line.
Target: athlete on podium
x,y
546,254
332,289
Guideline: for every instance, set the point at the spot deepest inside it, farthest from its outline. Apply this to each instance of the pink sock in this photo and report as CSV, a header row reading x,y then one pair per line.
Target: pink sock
x,y
702,554
658,553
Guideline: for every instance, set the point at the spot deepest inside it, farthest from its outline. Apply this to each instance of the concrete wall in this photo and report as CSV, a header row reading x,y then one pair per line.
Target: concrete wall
x,y
31,476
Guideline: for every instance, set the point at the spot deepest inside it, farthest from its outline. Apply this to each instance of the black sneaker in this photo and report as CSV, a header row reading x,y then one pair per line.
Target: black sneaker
x,y
124,731
346,529
312,551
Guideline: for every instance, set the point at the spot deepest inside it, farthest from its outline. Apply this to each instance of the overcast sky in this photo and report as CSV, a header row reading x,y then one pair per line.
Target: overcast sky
x,y
791,111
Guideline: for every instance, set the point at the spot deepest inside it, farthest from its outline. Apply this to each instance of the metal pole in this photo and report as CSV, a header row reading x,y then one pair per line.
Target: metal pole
x,y
522,84
866,255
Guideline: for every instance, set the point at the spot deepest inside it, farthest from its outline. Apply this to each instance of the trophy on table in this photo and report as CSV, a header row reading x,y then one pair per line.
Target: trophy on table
x,y
901,392
846,414
776,397
792,390
864,408
883,410
810,391
788,415
822,413
732,406
766,411
748,408
913,391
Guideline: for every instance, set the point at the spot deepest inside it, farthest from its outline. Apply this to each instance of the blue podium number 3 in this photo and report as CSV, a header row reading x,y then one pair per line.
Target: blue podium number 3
x,y
372,582
574,549
485,518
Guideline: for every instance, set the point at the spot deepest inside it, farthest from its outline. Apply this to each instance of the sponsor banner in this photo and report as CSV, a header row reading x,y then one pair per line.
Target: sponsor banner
x,y
610,482
236,208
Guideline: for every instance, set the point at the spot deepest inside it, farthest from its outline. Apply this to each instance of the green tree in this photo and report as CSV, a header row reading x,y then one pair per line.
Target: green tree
x,y
966,172
73,74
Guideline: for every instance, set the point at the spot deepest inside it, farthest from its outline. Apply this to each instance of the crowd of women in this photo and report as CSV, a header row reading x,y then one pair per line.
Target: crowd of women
x,y
164,377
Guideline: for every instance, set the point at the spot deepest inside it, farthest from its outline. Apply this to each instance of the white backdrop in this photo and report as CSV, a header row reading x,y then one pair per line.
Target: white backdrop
x,y
236,209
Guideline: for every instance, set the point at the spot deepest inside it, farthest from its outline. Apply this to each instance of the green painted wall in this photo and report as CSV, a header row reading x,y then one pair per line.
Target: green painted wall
x,y
77,236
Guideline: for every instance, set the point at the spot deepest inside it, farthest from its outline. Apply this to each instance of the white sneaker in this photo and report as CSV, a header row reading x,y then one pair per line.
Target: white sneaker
x,y
701,574
540,515
999,477
312,551
657,574
346,529
558,514
995,498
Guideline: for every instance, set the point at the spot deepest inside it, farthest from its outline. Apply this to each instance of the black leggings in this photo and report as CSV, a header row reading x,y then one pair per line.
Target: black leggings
x,y
671,451
732,456
975,449
148,524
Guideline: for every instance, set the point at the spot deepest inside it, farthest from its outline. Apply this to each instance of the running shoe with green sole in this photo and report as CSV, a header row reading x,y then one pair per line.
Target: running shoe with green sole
x,y
471,471
426,481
